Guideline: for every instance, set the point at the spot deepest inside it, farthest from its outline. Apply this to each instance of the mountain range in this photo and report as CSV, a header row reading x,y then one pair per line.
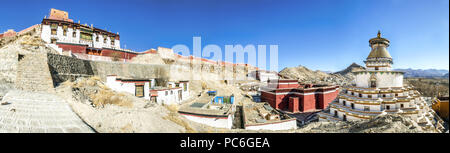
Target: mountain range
x,y
424,73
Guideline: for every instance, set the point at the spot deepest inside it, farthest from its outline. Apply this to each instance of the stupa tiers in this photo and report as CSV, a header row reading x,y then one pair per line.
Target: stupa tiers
x,y
378,90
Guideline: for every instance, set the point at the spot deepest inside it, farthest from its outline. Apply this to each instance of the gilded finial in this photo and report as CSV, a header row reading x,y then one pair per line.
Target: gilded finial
x,y
379,34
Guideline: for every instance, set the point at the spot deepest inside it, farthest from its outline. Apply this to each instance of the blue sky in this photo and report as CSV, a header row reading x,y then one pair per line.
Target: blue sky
x,y
321,34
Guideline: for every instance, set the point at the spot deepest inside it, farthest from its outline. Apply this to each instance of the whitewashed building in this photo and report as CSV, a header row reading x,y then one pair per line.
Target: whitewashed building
x,y
174,93
137,87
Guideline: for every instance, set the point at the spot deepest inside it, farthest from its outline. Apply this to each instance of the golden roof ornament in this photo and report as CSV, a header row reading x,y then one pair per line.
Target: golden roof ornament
x,y
379,34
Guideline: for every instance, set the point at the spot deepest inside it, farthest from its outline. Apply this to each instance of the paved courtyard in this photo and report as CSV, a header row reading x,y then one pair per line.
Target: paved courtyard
x,y
30,112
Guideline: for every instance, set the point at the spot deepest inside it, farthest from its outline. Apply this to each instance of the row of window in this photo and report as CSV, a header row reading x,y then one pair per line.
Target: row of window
x,y
368,96
367,108
83,35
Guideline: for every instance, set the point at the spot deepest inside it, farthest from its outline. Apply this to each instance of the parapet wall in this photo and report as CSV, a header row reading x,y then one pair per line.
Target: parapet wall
x,y
65,68
8,68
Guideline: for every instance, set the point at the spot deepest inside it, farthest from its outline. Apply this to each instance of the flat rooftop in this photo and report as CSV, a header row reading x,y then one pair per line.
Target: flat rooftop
x,y
203,106
261,113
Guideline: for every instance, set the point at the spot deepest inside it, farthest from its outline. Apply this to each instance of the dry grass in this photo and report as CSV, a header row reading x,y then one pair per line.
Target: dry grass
x,y
32,41
104,97
99,93
174,117
127,128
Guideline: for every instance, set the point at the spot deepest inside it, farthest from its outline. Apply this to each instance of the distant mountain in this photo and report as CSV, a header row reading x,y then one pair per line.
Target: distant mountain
x,y
328,72
425,73
301,73
445,75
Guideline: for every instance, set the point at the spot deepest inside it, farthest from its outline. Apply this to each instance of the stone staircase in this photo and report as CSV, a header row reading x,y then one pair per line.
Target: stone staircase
x,y
33,73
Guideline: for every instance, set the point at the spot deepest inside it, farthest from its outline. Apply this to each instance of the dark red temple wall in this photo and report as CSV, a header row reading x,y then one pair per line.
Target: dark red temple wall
x,y
328,98
307,102
293,85
123,55
73,48
293,104
270,98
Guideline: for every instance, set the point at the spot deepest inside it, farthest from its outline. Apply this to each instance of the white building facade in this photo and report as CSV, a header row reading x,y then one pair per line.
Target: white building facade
x,y
137,87
58,31
175,93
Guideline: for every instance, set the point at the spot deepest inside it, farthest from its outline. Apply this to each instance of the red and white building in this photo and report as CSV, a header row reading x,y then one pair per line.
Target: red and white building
x,y
174,93
62,34
294,97
137,87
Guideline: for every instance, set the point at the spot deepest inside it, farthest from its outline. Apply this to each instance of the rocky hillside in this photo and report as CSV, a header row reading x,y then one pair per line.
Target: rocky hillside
x,y
352,68
380,124
303,74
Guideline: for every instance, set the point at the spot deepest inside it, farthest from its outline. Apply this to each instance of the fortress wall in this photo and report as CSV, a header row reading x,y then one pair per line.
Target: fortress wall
x,y
65,68
8,68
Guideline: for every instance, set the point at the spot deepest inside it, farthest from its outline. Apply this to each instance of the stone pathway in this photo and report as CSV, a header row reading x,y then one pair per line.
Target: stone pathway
x,y
31,112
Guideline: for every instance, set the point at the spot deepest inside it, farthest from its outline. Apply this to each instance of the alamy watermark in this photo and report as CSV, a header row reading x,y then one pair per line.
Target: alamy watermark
x,y
256,57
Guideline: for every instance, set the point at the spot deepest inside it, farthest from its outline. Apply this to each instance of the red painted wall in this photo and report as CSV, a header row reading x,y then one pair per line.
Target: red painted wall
x,y
73,48
305,102
105,52
327,99
124,55
293,104
308,103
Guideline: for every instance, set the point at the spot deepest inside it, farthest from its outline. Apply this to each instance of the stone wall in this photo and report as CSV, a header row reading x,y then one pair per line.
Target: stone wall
x,y
65,68
8,70
33,73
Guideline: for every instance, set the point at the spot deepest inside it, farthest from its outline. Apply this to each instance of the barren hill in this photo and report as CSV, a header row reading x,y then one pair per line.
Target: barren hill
x,y
352,68
302,73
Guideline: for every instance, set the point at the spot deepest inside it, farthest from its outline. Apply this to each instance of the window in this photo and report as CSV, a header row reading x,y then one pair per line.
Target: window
x,y
370,96
396,95
171,92
360,95
376,68
353,106
167,93
366,108
86,36
388,107
335,113
104,40
139,91
373,84
54,28
96,39
401,105
54,32
74,34
65,30
20,57
344,103
384,96
185,86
